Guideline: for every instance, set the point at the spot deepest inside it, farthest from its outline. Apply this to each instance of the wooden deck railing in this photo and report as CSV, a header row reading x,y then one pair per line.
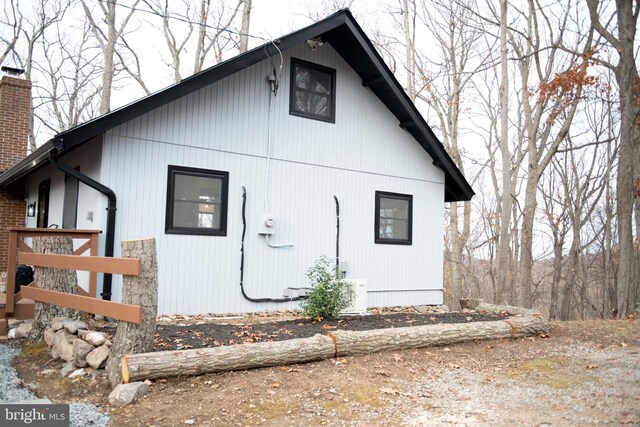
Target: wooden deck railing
x,y
94,264
17,246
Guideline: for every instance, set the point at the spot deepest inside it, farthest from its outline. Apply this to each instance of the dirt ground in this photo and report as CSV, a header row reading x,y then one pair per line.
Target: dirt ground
x,y
585,373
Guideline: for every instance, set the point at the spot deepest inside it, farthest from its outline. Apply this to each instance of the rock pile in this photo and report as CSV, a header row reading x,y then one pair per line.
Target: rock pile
x,y
73,342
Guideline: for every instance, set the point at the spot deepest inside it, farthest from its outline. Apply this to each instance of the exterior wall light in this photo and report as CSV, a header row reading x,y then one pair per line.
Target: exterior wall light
x,y
31,209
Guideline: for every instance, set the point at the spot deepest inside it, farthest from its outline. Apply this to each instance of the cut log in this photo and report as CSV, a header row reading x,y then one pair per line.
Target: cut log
x,y
350,343
53,279
166,364
139,290
511,310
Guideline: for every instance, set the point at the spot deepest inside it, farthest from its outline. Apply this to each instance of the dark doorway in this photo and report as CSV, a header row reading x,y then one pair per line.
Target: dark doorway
x,y
43,204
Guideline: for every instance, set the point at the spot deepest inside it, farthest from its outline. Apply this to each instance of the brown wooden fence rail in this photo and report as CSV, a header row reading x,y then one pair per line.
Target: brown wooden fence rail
x,y
17,246
86,301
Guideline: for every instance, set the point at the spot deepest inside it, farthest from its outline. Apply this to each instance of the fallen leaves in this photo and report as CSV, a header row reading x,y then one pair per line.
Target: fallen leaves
x,y
390,391
287,369
591,366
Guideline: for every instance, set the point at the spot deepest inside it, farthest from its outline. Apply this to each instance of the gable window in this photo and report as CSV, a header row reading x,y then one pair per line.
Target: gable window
x,y
393,221
196,201
312,91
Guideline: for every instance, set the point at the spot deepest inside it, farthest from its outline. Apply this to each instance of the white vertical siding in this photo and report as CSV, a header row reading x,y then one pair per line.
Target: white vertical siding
x,y
88,159
224,127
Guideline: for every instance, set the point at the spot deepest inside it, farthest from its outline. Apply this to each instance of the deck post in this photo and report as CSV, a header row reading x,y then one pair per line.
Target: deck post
x,y
11,272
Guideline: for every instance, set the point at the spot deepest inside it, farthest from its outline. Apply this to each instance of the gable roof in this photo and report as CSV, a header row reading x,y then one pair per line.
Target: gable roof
x,y
343,33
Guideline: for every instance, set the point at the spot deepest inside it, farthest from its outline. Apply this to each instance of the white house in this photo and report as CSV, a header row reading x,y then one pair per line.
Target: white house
x,y
239,171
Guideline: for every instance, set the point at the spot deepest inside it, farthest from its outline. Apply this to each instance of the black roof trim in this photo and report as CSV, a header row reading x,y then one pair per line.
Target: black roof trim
x,y
345,35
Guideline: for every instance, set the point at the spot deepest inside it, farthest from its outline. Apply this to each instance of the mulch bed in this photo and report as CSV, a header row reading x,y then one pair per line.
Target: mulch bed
x,y
178,337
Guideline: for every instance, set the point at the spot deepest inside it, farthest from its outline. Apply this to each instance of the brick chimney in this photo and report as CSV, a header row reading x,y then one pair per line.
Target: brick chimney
x,y
15,111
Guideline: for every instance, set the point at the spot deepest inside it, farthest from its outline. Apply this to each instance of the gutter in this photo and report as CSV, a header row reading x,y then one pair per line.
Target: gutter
x,y
111,207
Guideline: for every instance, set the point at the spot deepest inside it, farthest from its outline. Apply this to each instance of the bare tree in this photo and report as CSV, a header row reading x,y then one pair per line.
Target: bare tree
x,y
174,44
34,23
107,36
215,31
547,118
71,65
554,200
443,90
244,27
505,202
583,187
12,20
626,74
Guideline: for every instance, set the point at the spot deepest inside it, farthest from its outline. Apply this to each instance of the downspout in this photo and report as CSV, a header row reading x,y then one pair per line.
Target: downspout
x,y
111,208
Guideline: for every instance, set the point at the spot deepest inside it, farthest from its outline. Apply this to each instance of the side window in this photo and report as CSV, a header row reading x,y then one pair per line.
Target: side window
x,y
393,218
313,90
196,201
70,207
42,220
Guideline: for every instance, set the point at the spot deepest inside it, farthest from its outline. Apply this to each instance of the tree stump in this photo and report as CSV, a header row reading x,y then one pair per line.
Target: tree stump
x,y
140,290
54,279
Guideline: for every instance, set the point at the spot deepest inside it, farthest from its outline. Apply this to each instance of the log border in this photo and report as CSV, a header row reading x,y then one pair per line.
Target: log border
x,y
164,364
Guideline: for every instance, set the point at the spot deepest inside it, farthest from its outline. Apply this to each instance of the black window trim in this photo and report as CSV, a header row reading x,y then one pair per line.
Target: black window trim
x,y
207,173
292,90
398,196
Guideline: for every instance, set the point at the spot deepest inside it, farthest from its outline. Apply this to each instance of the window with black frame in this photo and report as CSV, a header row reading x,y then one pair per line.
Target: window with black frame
x,y
196,201
393,220
312,91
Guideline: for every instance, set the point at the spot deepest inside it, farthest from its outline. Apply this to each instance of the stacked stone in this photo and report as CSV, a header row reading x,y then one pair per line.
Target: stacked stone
x,y
73,342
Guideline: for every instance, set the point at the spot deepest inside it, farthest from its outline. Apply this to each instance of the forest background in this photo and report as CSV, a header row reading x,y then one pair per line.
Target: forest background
x,y
536,101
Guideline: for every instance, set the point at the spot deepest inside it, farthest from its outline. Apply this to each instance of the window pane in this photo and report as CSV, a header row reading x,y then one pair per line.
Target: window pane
x,y
70,205
312,104
312,91
313,80
394,208
393,218
393,229
195,201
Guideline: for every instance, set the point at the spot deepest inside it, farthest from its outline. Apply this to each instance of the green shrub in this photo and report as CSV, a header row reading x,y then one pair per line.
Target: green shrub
x,y
329,294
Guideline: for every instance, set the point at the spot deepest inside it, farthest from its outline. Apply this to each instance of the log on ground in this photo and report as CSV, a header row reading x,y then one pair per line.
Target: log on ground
x,y
350,343
164,364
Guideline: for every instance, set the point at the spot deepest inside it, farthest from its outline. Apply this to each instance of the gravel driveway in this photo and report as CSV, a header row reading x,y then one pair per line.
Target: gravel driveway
x,y
584,374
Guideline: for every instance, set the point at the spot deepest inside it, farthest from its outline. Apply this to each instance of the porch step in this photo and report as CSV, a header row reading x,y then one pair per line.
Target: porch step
x,y
3,339
3,328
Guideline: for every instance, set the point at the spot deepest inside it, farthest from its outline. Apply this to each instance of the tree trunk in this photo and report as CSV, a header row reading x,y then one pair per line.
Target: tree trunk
x,y
557,274
505,200
570,280
244,28
350,343
165,364
136,290
53,279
